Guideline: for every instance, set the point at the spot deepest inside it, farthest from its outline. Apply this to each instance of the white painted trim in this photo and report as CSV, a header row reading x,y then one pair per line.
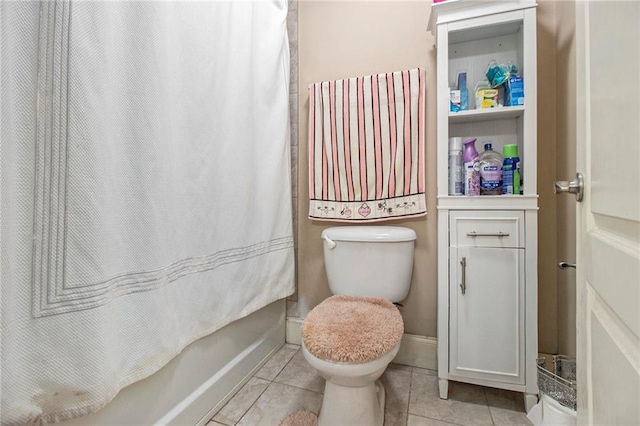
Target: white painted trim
x,y
415,351
293,333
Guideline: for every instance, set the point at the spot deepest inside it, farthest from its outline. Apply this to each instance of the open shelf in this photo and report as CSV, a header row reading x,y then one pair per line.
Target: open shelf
x,y
487,114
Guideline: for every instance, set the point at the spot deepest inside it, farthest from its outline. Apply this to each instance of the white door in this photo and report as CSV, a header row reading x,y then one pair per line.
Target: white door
x,y
608,223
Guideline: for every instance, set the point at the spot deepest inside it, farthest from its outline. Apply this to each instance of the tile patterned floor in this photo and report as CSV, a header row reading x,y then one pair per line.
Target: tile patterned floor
x,y
286,383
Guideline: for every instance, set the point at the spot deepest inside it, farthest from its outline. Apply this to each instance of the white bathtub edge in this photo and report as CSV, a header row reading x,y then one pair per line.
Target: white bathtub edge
x,y
194,385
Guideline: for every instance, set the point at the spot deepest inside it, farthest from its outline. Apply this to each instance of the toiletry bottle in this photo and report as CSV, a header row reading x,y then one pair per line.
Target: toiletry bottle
x,y
471,169
511,170
490,171
454,100
514,88
455,166
464,93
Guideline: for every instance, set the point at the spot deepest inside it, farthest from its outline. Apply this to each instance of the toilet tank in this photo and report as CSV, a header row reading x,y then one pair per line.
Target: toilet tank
x,y
369,260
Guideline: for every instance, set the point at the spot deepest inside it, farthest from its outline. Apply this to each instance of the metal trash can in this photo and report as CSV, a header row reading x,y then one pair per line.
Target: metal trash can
x,y
559,382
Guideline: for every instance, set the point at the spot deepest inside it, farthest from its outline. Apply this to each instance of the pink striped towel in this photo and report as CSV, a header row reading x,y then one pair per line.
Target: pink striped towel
x,y
366,147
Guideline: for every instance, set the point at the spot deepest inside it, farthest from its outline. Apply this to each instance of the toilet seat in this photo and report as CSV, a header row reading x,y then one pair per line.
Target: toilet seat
x,y
352,329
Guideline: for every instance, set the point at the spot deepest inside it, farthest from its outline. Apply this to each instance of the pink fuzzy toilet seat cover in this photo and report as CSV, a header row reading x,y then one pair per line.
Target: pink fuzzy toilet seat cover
x,y
352,329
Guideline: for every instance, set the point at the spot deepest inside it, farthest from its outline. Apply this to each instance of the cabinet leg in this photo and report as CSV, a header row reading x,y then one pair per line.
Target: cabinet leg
x,y
530,399
443,384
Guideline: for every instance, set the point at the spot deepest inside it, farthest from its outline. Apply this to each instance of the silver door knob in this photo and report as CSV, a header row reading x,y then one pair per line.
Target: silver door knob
x,y
576,187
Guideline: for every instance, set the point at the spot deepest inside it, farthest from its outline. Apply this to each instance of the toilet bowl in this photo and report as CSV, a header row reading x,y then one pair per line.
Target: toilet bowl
x,y
350,340
352,395
351,337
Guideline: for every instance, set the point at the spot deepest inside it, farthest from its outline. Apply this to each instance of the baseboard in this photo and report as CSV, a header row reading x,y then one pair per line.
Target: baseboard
x,y
416,351
293,333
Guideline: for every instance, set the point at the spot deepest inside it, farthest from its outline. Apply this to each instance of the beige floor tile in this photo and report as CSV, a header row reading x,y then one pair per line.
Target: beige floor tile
x,y
277,402
464,392
424,371
413,420
397,385
501,398
506,417
412,397
507,407
291,346
300,374
278,361
467,404
400,367
392,418
237,406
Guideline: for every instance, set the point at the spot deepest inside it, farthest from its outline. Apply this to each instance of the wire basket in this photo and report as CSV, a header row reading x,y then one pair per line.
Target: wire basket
x,y
559,384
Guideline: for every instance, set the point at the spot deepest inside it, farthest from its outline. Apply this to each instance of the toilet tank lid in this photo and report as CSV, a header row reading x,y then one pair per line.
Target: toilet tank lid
x,y
370,233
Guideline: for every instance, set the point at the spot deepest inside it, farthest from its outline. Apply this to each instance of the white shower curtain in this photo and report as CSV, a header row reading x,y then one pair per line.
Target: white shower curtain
x,y
145,189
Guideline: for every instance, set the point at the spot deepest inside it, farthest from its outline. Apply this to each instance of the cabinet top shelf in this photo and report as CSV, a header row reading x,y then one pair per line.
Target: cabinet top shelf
x,y
455,10
488,114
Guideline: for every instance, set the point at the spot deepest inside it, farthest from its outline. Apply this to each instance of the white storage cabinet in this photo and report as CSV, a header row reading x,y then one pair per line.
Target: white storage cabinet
x,y
487,245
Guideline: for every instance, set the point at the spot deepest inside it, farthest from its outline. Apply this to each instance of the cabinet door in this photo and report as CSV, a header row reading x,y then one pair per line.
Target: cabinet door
x,y
487,316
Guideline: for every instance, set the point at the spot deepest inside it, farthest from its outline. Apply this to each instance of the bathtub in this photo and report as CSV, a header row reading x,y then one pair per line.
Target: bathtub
x,y
193,386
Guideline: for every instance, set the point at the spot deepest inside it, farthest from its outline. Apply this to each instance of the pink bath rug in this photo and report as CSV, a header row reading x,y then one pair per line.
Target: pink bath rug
x,y
300,418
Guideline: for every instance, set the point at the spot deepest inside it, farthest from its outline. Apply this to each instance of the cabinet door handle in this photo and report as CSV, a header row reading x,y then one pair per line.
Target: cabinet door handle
x,y
490,234
463,286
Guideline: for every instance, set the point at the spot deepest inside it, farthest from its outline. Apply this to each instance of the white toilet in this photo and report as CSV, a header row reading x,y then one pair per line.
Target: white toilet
x,y
351,337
